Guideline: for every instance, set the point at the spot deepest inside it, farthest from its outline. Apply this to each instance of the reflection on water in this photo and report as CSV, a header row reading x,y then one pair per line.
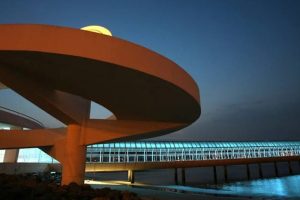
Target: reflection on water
x,y
284,186
275,188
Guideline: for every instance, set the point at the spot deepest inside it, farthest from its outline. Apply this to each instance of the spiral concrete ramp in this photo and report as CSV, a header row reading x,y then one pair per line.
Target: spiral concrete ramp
x,y
61,70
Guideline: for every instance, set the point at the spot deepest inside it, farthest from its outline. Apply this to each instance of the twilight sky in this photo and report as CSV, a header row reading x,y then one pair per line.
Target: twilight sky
x,y
244,55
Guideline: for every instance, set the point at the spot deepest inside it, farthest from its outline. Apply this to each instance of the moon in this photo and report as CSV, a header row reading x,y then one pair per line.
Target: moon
x,y
97,29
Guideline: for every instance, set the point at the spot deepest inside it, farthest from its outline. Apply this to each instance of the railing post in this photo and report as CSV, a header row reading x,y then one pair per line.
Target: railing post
x,y
109,155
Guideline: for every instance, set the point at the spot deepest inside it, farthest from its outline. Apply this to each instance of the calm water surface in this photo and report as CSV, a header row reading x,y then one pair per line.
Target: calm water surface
x,y
200,181
284,187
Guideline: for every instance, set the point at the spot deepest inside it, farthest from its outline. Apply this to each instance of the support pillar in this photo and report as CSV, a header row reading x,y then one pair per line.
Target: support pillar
x,y
225,174
215,175
73,163
183,176
276,169
260,171
248,171
290,168
176,176
11,155
131,176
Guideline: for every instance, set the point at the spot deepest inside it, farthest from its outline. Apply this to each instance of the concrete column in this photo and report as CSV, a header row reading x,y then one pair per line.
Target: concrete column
x,y
276,169
73,165
248,171
215,175
290,167
131,176
260,171
183,176
11,155
176,176
225,174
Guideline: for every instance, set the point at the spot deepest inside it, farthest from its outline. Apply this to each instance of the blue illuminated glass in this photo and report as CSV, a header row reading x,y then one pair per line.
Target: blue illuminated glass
x,y
172,145
138,145
132,145
143,145
185,145
122,145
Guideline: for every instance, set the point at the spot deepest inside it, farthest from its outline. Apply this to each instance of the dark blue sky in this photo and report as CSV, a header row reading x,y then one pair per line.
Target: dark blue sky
x,y
244,55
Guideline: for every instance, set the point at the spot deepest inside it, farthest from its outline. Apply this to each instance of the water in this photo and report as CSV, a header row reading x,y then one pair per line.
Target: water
x,y
274,187
200,181
277,188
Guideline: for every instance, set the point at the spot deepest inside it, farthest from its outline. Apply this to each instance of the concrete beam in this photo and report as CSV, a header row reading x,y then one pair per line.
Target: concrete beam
x,y
225,174
183,176
175,176
260,170
248,171
215,174
11,139
276,169
290,167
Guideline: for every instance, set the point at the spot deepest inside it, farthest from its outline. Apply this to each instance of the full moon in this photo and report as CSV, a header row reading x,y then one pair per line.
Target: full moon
x,y
97,29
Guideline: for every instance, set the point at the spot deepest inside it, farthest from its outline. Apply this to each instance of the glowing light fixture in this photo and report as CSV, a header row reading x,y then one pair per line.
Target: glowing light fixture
x,y
97,29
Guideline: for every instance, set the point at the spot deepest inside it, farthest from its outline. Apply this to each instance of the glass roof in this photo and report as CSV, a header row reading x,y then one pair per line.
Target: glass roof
x,y
184,145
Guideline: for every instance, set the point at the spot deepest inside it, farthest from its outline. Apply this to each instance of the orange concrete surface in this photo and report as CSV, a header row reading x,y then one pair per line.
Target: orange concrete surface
x,y
61,70
75,42
11,155
74,156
